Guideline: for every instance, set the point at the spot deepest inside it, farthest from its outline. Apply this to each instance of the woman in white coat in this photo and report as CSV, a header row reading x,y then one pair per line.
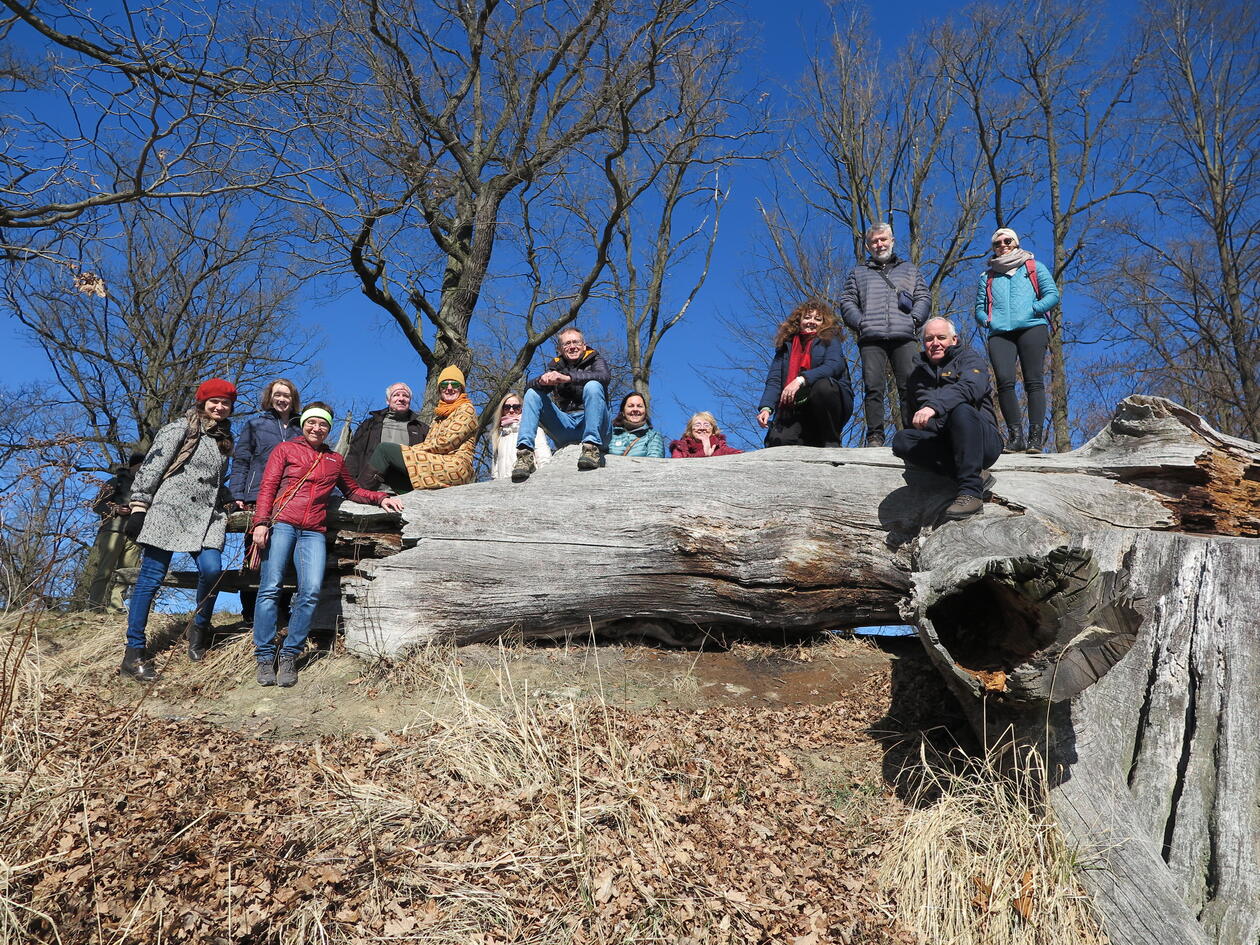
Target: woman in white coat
x,y
503,430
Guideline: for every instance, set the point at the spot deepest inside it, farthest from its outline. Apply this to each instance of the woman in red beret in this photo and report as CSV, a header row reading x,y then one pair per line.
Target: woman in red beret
x,y
178,503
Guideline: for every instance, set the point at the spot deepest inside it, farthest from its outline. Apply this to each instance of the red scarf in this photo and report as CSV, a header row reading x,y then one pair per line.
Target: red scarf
x,y
799,360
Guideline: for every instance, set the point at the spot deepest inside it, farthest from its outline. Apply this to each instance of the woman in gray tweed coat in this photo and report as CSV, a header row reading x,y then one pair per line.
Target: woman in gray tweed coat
x,y
178,503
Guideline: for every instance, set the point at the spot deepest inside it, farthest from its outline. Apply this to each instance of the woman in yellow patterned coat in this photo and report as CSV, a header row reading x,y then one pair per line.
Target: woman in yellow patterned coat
x,y
445,456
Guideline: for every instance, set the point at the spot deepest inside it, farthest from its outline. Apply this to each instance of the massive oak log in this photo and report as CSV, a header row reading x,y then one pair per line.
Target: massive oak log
x,y
1101,609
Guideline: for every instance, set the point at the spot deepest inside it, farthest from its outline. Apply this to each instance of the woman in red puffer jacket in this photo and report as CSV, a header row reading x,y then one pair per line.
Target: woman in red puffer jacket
x,y
289,521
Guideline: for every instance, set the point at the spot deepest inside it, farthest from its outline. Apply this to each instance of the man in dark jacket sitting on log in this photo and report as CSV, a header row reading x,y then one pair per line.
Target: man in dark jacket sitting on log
x,y
397,423
954,429
577,409
884,301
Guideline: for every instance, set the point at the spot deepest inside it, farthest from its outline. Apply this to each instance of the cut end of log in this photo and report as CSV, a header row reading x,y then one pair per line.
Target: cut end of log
x,y
1034,629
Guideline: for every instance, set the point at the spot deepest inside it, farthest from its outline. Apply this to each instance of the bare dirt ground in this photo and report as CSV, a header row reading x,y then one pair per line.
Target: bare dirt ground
x,y
485,794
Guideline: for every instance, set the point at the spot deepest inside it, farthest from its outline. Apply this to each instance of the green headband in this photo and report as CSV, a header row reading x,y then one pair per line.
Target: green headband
x,y
319,412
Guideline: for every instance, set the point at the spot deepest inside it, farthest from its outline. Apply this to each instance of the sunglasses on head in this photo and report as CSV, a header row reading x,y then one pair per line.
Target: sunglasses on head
x,y
450,385
511,408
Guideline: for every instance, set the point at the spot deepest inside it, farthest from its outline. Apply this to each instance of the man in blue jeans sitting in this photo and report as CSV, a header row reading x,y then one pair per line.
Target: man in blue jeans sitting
x,y
953,430
570,401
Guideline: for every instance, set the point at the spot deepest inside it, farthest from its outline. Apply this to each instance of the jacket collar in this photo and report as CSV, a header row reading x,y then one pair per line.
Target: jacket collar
x,y
587,356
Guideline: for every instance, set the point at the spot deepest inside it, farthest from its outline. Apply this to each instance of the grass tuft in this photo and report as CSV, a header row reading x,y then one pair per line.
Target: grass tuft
x,y
984,862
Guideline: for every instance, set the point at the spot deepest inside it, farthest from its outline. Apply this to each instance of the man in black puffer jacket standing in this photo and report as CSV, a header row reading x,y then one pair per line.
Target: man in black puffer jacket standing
x,y
953,430
885,301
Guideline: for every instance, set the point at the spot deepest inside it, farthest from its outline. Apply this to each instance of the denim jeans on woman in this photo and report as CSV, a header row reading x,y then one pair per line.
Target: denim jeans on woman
x,y
154,563
308,550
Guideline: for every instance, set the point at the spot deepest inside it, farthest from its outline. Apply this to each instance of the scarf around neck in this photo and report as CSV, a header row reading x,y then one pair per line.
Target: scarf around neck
x,y
799,360
1008,262
219,430
442,411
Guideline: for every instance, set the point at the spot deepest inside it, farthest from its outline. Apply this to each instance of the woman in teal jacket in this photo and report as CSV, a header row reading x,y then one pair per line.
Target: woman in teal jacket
x,y
1013,303
632,431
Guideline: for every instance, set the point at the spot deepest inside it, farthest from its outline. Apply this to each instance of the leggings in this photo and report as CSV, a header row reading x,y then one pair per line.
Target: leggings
x,y
1029,344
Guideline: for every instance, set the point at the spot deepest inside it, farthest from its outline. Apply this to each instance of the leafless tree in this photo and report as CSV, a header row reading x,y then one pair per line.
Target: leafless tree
x,y
1182,292
1073,134
196,290
465,134
105,110
44,526
664,245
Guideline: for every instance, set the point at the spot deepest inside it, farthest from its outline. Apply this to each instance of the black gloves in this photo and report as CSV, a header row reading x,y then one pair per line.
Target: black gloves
x,y
135,522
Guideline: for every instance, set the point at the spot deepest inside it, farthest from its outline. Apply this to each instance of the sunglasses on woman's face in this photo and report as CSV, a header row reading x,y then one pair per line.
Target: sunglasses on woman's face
x,y
511,408
450,385
1004,241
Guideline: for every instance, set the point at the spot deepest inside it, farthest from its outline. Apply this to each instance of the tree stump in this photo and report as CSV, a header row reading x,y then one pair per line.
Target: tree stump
x,y
1100,608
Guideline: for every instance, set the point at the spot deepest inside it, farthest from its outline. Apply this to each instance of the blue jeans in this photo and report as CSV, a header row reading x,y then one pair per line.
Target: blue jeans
x,y
308,550
591,424
154,564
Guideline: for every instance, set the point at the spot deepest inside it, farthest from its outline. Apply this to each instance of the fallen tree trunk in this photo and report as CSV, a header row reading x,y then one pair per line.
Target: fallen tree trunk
x,y
1100,609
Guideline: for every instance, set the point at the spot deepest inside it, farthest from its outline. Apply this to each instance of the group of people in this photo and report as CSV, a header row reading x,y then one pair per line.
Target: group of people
x,y
284,472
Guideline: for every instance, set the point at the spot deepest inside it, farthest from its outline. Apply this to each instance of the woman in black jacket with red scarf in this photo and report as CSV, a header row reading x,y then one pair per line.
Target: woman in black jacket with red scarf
x,y
808,399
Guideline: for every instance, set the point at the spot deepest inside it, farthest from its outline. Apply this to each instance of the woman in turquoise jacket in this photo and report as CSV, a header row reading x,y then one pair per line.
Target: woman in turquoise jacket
x,y
632,431
1013,303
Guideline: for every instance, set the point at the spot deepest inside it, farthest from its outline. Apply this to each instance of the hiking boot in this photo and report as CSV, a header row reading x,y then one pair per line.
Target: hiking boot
x,y
1036,440
875,438
267,674
198,643
524,467
136,666
287,674
1015,442
964,507
589,457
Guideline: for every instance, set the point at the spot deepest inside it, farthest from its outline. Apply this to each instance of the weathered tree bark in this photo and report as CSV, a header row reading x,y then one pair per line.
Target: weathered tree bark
x,y
1110,623
1101,609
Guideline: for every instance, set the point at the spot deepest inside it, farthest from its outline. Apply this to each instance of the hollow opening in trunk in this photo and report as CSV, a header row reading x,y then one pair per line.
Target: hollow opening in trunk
x,y
989,624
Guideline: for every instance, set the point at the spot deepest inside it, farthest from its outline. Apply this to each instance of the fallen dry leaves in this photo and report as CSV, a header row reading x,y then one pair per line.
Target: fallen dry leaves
x,y
537,824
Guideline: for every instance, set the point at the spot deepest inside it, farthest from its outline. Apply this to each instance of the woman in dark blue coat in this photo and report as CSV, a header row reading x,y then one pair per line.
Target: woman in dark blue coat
x,y
807,399
278,422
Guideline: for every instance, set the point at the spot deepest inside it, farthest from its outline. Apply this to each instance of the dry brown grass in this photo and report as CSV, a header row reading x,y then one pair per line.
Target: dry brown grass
x,y
984,863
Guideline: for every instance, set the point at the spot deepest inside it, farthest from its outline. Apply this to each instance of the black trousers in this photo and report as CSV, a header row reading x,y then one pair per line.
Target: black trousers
x,y
967,444
877,357
1029,346
819,421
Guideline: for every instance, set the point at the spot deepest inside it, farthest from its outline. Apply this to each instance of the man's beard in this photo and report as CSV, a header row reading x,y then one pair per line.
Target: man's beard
x,y
882,257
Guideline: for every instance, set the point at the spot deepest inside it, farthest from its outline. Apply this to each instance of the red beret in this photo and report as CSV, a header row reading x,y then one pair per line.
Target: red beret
x,y
215,387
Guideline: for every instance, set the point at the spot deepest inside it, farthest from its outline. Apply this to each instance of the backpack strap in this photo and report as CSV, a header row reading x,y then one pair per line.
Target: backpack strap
x,y
1031,267
1032,275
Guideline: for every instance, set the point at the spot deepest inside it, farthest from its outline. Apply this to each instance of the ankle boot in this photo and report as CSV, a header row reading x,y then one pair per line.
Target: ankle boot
x,y
136,666
198,642
1015,442
1036,440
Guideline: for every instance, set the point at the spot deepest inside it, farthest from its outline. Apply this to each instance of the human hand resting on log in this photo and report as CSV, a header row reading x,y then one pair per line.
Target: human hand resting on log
x,y
921,417
391,503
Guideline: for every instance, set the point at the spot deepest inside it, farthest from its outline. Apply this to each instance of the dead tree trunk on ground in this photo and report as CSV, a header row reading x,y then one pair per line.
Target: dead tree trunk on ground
x,y
1101,609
